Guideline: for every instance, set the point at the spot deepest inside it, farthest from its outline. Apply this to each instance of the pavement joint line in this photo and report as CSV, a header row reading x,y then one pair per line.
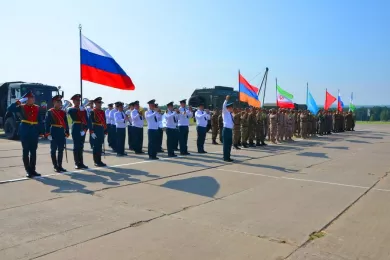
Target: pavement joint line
x,y
305,180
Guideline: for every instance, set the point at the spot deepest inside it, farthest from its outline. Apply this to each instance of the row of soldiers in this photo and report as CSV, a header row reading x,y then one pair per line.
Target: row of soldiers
x,y
255,124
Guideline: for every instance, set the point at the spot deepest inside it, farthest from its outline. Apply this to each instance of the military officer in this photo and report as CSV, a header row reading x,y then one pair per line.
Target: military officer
x,y
79,117
108,122
152,117
137,135
57,130
184,123
171,117
160,131
120,120
29,130
237,128
89,109
214,126
128,116
112,127
227,134
202,116
98,129
244,128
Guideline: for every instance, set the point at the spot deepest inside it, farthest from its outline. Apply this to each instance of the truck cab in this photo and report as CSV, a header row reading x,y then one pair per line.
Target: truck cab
x,y
10,92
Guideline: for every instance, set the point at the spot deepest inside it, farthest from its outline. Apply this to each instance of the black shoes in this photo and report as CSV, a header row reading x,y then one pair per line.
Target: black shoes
x,y
32,174
153,158
228,160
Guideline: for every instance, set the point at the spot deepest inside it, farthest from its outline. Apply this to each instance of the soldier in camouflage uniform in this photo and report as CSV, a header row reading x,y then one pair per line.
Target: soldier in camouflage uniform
x,y
269,112
220,126
308,124
299,123
321,123
303,126
244,128
314,125
214,126
261,123
252,127
273,125
286,133
237,128
290,124
280,128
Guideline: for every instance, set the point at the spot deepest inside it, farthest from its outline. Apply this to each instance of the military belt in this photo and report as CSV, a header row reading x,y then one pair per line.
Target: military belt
x,y
76,122
29,122
59,126
97,124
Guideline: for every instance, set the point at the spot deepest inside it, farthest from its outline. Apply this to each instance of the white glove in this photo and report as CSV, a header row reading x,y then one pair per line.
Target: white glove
x,y
22,100
82,133
82,108
49,138
93,136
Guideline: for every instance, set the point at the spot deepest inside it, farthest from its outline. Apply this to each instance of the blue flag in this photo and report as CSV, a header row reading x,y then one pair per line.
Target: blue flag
x,y
311,104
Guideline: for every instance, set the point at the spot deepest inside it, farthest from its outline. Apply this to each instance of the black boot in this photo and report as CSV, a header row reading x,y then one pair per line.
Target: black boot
x,y
81,160
262,143
33,162
237,148
76,155
258,144
26,163
95,160
252,145
54,161
99,159
245,145
214,142
60,155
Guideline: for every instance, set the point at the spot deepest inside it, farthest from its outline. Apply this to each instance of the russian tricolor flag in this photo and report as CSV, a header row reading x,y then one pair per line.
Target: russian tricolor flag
x,y
99,67
340,104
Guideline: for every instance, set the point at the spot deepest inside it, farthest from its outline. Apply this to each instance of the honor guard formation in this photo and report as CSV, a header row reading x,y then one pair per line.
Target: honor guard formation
x,y
236,127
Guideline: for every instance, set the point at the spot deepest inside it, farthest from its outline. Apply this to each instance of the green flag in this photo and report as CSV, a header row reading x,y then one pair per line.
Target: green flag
x,y
284,93
351,105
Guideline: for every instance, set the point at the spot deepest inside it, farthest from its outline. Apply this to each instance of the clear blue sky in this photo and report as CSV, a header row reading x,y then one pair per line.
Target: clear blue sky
x,y
171,47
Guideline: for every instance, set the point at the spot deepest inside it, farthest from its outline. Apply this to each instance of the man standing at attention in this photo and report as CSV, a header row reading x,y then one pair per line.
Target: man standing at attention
x,y
152,117
184,122
201,121
227,134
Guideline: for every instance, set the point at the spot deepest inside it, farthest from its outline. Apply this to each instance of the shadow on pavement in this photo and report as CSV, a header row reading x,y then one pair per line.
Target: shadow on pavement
x,y
277,168
64,186
203,186
358,141
337,147
311,154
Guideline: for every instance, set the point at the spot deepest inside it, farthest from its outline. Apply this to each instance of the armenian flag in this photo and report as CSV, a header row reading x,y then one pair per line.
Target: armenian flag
x,y
99,67
247,92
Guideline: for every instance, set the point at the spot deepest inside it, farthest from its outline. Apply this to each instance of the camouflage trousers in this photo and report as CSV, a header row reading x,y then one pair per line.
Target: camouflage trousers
x,y
244,135
252,134
236,136
303,130
214,132
273,132
260,137
280,132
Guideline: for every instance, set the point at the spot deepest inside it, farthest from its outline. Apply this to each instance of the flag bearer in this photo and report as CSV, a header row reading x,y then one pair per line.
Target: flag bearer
x,y
202,116
152,117
98,129
184,123
29,130
108,122
57,130
120,126
227,132
79,117
171,117
113,127
128,116
137,135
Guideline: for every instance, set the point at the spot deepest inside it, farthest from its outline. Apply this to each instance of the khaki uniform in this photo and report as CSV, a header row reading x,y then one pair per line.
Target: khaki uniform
x,y
299,124
273,126
268,127
252,127
303,120
237,129
286,132
290,126
220,126
214,127
309,125
280,128
244,129
261,122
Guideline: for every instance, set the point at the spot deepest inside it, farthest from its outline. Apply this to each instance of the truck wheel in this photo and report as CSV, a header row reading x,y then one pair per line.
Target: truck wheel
x,y
10,129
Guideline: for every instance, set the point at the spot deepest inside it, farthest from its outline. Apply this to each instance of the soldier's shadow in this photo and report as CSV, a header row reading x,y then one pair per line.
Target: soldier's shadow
x,y
64,186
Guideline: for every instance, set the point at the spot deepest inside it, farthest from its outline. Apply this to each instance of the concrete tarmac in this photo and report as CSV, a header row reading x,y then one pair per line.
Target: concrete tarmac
x,y
322,198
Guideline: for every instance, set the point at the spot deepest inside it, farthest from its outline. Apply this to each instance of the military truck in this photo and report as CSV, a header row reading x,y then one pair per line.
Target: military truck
x,y
10,92
213,97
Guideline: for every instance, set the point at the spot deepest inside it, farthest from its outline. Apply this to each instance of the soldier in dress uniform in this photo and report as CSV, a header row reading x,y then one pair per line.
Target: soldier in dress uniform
x,y
128,114
89,109
112,128
227,135
152,117
184,124
214,126
220,125
29,130
202,116
98,129
79,117
237,128
137,135
120,120
171,116
160,131
244,127
108,122
57,130
273,125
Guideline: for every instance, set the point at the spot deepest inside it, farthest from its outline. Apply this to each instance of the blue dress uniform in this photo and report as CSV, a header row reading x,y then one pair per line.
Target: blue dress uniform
x,y
89,109
79,129
201,121
98,129
129,126
120,128
171,130
227,131
160,133
184,122
152,118
56,126
108,122
111,119
29,132
137,133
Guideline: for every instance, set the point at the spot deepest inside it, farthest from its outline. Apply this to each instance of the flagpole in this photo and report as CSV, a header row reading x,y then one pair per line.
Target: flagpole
x,y
81,71
265,85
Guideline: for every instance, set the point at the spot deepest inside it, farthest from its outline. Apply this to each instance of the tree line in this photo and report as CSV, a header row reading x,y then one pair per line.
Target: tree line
x,y
376,113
